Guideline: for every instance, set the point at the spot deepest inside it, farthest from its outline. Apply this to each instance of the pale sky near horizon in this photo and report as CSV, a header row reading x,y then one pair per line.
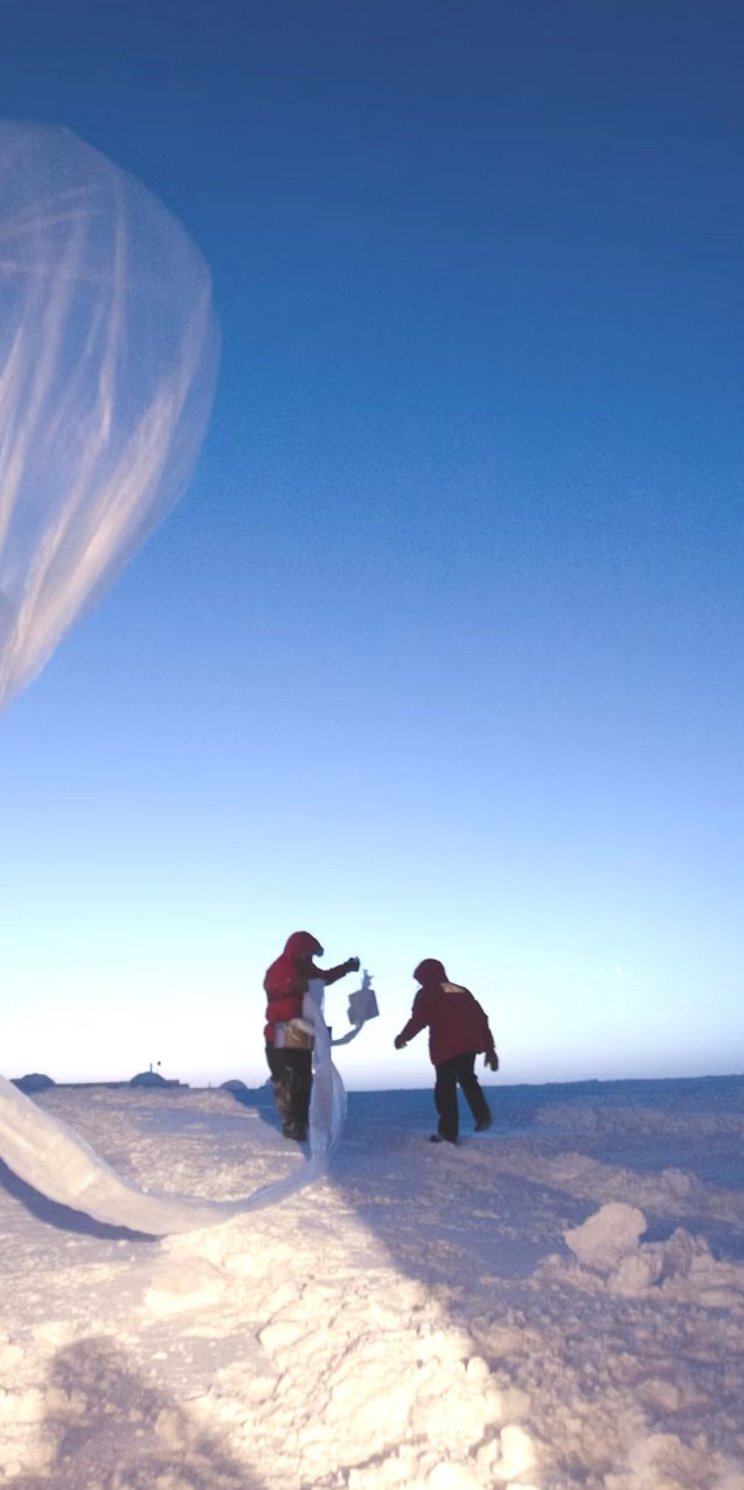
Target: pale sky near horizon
x,y
442,654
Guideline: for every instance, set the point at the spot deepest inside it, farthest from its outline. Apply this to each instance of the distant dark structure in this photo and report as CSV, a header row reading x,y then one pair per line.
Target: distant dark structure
x,y
33,1082
151,1078
248,1096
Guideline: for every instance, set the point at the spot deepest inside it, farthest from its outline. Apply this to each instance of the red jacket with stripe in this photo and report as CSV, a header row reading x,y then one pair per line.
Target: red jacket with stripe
x,y
457,1024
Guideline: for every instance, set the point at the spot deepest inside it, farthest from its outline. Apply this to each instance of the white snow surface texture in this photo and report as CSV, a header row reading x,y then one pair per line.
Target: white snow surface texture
x,y
558,1303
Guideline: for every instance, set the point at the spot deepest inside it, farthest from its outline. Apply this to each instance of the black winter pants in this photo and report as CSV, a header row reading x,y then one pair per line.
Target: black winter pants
x,y
460,1069
292,1077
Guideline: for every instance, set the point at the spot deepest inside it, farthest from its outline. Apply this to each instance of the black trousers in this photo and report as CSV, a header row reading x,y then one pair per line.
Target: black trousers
x,y
459,1070
292,1077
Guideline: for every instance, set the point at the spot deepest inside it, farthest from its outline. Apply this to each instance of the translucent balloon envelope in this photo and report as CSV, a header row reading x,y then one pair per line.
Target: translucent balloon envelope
x,y
108,358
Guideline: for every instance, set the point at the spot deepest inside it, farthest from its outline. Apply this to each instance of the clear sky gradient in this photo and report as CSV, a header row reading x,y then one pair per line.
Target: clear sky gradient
x,y
442,654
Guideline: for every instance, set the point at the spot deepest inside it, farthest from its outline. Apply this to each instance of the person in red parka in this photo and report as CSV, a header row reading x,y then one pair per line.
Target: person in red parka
x,y
289,1040
458,1031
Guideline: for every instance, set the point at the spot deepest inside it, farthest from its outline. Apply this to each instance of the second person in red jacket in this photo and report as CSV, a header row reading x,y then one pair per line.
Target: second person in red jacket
x,y
458,1031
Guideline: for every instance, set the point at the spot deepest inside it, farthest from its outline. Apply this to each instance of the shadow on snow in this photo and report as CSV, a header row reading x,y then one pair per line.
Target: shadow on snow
x,y
106,1425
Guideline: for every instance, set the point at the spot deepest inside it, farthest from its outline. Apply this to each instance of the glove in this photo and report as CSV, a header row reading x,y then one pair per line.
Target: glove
x,y
492,1060
400,1043
353,964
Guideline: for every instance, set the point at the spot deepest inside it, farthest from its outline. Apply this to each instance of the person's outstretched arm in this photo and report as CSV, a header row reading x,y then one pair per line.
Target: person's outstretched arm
x,y
332,974
418,1021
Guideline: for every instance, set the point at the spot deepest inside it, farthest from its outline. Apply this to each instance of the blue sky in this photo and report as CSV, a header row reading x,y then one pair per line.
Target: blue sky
x,y
441,654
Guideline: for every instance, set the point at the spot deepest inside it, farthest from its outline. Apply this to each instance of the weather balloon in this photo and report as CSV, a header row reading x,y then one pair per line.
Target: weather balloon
x,y
108,357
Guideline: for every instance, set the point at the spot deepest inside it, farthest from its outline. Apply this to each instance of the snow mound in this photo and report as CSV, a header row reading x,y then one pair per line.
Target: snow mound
x,y
607,1237
608,1245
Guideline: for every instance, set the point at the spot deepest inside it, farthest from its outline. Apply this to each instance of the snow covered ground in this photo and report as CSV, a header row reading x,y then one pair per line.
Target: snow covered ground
x,y
557,1303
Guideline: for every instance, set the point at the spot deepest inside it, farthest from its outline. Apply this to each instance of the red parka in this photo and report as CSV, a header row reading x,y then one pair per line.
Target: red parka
x,y
457,1023
287,979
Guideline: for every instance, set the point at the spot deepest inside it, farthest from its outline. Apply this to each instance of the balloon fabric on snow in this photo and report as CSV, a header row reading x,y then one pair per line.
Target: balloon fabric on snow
x,y
58,1164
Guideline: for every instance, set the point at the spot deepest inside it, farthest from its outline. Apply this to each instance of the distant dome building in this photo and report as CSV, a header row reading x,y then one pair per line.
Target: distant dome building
x,y
34,1081
234,1085
150,1078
